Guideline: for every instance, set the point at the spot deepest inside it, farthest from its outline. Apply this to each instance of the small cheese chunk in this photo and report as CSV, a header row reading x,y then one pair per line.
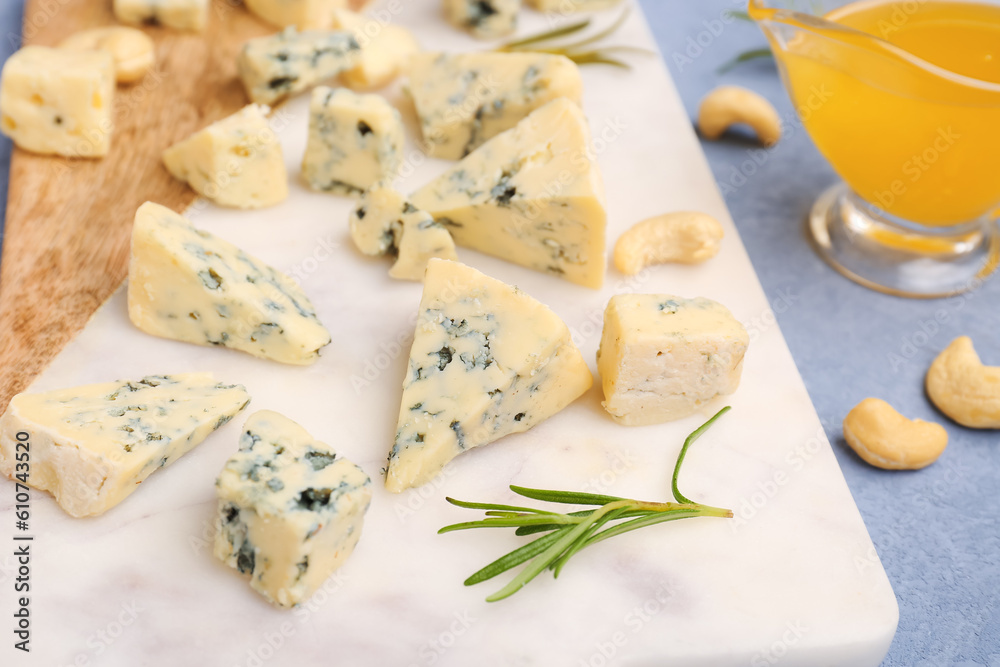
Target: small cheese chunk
x,y
290,509
302,14
662,357
178,14
466,98
531,195
132,50
486,19
289,62
58,101
386,49
383,222
235,162
569,6
355,141
189,285
487,360
92,446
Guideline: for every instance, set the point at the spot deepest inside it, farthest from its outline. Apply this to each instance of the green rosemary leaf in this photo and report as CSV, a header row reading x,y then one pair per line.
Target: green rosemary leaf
x,y
515,557
557,565
542,560
546,36
569,533
596,37
498,522
566,497
740,14
597,59
687,443
746,56
642,522
494,506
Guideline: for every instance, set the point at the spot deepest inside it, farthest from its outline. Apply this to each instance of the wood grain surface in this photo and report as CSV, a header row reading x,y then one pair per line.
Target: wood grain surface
x,y
68,220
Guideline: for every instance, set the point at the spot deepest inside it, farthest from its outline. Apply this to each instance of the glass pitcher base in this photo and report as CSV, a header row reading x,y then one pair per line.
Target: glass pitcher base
x,y
897,257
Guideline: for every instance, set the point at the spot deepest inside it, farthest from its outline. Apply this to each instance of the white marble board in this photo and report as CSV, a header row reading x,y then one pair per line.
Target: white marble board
x,y
793,579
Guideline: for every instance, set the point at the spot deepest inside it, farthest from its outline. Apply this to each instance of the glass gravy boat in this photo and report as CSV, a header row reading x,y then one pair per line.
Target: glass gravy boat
x,y
906,108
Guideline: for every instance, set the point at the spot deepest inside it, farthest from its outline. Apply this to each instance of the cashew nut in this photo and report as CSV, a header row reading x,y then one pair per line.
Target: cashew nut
x,y
131,49
963,388
728,105
887,439
686,237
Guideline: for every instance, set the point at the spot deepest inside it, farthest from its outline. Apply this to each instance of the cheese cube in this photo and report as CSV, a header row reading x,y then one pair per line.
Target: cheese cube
x,y
486,19
290,509
464,99
303,14
570,6
281,65
663,357
384,222
355,141
386,49
487,361
234,162
178,14
92,446
189,285
531,195
58,101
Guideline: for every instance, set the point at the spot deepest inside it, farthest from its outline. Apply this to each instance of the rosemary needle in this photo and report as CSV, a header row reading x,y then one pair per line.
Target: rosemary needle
x,y
567,534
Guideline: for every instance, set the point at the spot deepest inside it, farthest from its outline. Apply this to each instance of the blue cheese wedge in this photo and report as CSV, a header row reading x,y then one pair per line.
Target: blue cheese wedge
x,y
485,19
58,101
189,285
289,62
355,141
178,14
303,14
92,446
531,195
487,360
386,49
464,99
235,162
569,6
662,357
290,509
384,223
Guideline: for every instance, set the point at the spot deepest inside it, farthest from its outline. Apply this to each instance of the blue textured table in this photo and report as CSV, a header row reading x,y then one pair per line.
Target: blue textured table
x,y
937,530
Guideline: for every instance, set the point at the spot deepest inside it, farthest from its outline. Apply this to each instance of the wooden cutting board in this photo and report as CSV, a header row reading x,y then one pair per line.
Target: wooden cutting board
x,y
68,220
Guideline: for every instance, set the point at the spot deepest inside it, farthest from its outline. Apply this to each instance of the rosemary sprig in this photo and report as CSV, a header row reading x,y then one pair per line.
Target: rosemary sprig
x,y
567,534
576,51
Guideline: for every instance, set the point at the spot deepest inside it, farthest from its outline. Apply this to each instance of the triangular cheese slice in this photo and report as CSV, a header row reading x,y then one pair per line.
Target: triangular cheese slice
x,y
487,360
464,99
91,446
284,64
531,195
186,284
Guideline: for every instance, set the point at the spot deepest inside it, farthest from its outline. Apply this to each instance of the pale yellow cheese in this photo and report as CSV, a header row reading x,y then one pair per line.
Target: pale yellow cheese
x,y
178,14
303,14
235,162
487,360
531,195
384,222
189,285
58,101
290,509
464,99
92,446
386,49
570,6
663,357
